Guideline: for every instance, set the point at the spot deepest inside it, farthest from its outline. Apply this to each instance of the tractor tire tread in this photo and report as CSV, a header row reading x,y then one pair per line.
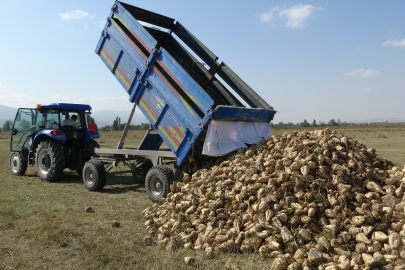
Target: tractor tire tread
x,y
58,161
146,164
168,177
100,175
23,164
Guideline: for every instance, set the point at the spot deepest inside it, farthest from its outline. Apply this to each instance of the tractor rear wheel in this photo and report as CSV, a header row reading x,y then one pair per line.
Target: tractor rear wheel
x,y
158,182
88,150
49,160
141,168
94,175
18,166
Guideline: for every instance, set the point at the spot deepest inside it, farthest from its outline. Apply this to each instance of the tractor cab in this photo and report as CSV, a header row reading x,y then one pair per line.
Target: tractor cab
x,y
64,126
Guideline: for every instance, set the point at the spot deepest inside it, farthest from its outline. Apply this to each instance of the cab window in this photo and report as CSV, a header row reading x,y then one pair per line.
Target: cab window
x,y
52,119
69,115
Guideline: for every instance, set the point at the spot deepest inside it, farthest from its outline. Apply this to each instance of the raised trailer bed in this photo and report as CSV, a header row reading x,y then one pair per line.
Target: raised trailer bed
x,y
181,98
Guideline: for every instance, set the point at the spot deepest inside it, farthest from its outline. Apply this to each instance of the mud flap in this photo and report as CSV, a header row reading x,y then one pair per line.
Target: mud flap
x,y
224,137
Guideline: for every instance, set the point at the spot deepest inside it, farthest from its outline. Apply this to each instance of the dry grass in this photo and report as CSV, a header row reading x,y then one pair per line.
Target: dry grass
x,y
44,225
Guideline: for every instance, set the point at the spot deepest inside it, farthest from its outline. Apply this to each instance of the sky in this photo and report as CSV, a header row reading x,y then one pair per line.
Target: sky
x,y
309,60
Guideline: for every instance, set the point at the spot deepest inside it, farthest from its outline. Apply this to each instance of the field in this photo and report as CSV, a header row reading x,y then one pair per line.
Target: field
x,y
44,225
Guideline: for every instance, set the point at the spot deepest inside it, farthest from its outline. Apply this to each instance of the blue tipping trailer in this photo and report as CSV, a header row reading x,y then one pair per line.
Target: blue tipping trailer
x,y
177,94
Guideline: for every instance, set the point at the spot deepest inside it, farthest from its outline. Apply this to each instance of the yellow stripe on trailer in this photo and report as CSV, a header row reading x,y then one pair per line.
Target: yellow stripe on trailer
x,y
188,107
122,78
106,59
174,132
168,137
147,110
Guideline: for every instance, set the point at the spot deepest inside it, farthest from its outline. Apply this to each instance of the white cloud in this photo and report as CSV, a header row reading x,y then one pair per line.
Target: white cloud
x,y
102,24
268,15
297,16
394,43
365,89
365,73
3,88
74,14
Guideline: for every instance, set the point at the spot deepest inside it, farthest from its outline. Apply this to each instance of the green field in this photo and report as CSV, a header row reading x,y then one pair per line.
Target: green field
x,y
44,225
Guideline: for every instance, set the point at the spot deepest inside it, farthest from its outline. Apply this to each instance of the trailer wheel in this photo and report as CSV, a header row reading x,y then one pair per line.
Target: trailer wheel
x,y
18,166
94,175
141,168
157,182
49,160
88,152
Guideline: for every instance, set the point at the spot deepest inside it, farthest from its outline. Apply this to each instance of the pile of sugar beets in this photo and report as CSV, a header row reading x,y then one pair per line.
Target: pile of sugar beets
x,y
302,200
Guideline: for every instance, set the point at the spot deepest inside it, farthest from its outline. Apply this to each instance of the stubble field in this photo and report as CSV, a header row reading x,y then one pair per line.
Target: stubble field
x,y
44,225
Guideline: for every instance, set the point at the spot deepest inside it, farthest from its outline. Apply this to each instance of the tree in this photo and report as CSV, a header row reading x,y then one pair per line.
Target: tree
x,y
314,123
305,123
7,126
332,122
114,126
24,125
90,120
105,128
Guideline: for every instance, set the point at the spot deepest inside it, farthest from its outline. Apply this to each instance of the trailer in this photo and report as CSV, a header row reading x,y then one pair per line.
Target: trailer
x,y
172,77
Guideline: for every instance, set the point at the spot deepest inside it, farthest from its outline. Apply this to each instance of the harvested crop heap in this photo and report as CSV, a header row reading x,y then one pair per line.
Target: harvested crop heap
x,y
303,200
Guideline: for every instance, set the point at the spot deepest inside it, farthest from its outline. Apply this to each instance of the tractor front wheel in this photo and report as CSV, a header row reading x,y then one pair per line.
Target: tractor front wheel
x,y
18,166
49,160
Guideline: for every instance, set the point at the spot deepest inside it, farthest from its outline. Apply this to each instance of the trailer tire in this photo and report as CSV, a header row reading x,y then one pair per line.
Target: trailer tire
x,y
49,160
18,166
94,175
157,182
141,168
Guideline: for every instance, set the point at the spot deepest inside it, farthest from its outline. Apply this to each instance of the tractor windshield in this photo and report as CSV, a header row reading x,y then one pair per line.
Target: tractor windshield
x,y
27,122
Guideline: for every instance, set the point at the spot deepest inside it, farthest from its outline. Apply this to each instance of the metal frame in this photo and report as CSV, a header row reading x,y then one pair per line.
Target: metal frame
x,y
132,154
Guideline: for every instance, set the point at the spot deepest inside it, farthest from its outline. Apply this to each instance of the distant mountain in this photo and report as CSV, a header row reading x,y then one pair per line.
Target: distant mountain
x,y
106,117
6,113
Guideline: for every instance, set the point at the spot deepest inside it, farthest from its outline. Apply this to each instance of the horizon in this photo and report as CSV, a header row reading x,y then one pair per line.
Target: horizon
x,y
361,121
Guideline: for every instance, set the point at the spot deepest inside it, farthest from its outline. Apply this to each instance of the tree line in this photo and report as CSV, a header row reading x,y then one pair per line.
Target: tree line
x,y
330,123
118,126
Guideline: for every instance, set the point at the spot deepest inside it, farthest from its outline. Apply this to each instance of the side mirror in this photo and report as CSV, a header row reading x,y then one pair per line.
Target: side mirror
x,y
14,131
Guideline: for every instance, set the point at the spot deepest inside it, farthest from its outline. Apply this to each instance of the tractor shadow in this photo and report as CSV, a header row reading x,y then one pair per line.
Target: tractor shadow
x,y
70,177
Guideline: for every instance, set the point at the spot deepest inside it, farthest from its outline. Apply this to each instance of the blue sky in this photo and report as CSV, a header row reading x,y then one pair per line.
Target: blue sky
x,y
308,59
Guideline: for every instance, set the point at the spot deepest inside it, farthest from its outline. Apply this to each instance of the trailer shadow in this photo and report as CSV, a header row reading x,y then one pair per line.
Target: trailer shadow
x,y
124,189
114,184
122,184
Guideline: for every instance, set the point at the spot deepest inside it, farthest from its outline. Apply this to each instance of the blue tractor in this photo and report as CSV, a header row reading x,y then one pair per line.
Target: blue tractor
x,y
52,137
